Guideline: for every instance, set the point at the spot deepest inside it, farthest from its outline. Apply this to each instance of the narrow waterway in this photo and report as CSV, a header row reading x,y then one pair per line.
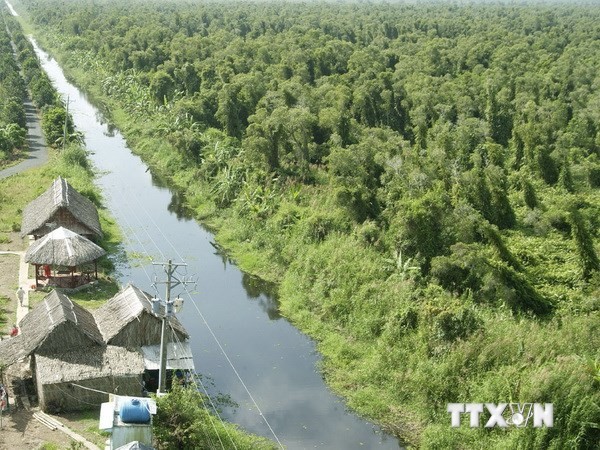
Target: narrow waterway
x,y
278,364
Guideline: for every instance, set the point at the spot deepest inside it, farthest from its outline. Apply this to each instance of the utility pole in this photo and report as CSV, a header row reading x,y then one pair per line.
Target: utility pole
x,y
171,282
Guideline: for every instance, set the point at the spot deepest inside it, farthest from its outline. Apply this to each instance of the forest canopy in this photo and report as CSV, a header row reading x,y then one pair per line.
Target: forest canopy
x,y
422,181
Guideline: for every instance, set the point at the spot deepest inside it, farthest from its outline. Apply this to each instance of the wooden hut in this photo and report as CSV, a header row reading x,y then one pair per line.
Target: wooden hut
x,y
51,327
62,378
62,248
127,320
61,206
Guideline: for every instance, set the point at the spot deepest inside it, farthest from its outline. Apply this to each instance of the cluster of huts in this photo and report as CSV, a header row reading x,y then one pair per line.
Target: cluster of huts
x,y
73,355
112,349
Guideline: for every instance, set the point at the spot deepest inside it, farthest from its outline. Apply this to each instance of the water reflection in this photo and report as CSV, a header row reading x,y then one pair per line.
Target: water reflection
x,y
178,204
265,292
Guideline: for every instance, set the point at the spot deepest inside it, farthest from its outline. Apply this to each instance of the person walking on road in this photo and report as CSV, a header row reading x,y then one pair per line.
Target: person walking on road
x,y
20,295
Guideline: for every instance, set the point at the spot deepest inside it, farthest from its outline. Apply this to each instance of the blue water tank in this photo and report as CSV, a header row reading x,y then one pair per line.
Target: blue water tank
x,y
135,411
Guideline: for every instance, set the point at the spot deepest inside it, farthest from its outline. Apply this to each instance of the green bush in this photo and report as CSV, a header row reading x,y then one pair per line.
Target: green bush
x,y
53,124
183,422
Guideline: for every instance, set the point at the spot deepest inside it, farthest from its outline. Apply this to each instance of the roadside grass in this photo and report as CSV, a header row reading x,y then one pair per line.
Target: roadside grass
x,y
18,190
13,159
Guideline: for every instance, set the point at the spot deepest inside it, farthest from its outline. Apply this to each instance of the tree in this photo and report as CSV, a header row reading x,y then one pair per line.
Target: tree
x,y
588,259
14,112
12,136
53,124
162,87
182,422
418,227
42,92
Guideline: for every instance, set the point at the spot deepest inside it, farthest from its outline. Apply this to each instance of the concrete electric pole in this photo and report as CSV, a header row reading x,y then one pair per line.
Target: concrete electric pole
x,y
171,282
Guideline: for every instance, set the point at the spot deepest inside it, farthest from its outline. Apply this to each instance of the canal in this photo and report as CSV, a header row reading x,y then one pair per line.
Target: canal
x,y
229,312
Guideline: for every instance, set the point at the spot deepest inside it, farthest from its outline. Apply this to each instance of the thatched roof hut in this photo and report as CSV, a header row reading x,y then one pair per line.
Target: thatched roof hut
x,y
51,327
109,369
64,206
127,320
63,247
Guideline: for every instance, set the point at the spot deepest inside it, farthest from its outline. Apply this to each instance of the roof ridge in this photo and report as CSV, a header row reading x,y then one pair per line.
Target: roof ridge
x,y
66,190
72,309
59,190
49,310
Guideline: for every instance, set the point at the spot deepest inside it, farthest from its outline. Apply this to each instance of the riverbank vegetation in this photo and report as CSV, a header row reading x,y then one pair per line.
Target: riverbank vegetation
x,y
12,112
421,181
182,421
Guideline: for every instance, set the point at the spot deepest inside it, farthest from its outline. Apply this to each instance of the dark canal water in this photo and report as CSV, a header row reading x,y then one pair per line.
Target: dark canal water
x,y
278,364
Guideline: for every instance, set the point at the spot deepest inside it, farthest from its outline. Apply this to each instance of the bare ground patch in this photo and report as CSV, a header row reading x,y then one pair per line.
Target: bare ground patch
x,y
20,430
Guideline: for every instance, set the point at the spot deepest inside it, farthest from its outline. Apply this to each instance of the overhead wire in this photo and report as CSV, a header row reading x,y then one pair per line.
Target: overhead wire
x,y
161,232
144,228
207,435
233,368
75,398
128,224
210,419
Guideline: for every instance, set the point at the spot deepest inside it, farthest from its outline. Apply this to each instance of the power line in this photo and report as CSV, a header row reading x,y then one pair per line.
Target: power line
x,y
234,369
139,241
90,389
210,419
143,228
161,232
195,380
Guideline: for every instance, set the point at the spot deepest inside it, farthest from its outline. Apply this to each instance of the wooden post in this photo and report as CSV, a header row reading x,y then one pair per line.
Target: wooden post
x,y
36,274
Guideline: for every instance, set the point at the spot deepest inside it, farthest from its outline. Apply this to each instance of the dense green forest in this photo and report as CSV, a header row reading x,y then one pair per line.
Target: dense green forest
x,y
421,180
12,112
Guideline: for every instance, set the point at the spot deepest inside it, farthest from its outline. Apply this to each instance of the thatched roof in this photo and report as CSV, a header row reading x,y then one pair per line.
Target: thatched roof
x,y
56,314
60,195
79,365
63,247
125,307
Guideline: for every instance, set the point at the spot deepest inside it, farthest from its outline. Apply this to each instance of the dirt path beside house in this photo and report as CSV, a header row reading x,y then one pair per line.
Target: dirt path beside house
x,y
21,431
